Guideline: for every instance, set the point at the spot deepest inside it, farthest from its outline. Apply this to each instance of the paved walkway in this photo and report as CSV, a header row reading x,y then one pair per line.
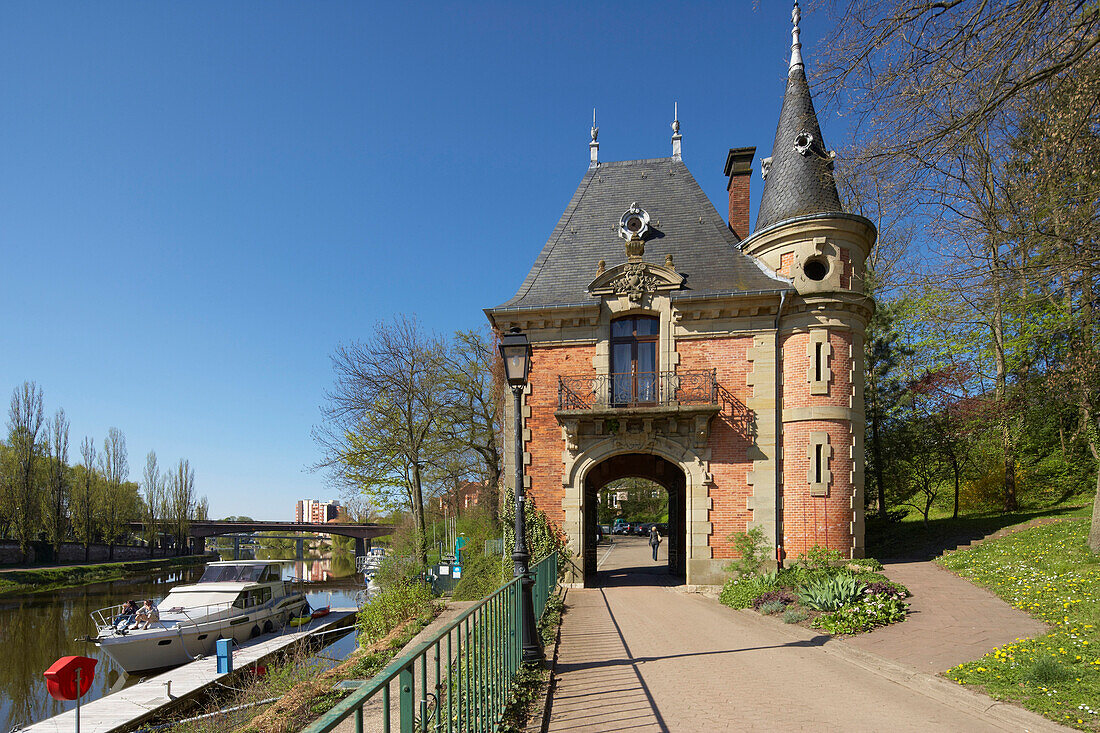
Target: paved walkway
x,y
638,655
950,621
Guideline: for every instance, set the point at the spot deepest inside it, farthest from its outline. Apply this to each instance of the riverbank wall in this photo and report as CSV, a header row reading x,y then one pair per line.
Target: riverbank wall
x,y
72,553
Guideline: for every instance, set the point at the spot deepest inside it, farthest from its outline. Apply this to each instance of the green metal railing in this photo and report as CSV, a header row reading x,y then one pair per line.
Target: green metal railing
x,y
458,680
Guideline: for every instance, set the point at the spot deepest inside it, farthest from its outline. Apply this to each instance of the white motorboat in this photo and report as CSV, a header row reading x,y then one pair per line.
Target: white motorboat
x,y
236,600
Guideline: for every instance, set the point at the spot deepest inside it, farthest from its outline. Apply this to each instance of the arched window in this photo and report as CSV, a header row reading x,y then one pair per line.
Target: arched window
x,y
634,360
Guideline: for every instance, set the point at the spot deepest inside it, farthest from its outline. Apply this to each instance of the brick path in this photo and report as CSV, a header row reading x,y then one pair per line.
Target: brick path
x,y
638,655
950,621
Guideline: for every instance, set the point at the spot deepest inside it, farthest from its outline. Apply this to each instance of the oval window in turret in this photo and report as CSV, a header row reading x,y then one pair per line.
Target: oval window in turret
x,y
816,268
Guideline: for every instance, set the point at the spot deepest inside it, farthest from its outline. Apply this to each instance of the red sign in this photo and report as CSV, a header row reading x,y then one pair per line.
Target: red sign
x,y
61,677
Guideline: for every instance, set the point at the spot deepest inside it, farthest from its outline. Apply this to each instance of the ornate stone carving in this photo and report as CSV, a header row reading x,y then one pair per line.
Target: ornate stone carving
x,y
635,281
570,432
635,441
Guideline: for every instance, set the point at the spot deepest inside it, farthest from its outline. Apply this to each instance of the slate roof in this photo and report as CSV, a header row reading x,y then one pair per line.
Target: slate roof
x,y
683,223
797,184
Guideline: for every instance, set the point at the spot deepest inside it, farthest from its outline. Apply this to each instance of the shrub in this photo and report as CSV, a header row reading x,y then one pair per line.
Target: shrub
x,y
794,615
791,577
739,592
864,564
829,594
863,616
773,607
752,547
820,558
772,596
892,591
394,605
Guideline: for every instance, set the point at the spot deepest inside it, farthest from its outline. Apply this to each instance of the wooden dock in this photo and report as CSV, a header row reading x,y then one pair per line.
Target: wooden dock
x,y
126,709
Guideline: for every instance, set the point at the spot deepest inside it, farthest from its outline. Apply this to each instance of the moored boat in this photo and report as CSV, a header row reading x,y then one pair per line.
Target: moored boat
x,y
236,600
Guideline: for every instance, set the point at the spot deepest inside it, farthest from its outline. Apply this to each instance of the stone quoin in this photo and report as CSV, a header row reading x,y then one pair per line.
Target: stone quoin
x,y
673,345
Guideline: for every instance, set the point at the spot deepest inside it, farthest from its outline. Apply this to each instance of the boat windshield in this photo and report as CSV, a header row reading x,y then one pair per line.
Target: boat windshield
x,y
232,573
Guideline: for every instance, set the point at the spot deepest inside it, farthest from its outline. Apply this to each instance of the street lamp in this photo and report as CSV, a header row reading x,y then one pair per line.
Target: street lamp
x,y
515,349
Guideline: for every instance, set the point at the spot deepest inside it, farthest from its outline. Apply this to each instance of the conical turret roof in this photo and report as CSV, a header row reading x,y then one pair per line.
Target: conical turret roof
x,y
800,176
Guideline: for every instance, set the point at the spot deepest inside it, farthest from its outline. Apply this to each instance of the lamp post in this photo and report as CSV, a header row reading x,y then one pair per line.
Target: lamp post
x,y
516,352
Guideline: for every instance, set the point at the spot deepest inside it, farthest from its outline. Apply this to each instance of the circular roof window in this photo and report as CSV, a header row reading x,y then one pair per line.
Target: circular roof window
x,y
634,223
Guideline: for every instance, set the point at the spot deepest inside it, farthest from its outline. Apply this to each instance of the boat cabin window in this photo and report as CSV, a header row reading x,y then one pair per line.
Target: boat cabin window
x,y
252,598
232,573
271,574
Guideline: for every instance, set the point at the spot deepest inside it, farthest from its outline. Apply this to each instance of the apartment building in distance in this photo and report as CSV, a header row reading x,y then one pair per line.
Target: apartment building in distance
x,y
314,511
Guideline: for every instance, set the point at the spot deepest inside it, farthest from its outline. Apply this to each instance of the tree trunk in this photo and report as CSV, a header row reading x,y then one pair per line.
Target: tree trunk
x,y
955,469
1094,529
1011,504
876,451
418,515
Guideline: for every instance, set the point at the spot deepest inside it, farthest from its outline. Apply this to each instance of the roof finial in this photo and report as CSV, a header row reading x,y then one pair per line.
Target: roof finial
x,y
676,136
796,45
594,147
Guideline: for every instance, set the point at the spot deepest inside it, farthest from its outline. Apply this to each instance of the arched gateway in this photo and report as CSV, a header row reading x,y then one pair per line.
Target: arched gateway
x,y
661,471
725,365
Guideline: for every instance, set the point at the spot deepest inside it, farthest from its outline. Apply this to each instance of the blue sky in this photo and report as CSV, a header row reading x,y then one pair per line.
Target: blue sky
x,y
199,201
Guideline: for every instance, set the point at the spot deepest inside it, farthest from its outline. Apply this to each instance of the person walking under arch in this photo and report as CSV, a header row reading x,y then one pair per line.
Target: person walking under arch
x,y
654,540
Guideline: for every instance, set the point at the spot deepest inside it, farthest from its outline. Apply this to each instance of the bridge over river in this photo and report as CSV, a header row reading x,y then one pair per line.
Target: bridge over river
x,y
198,531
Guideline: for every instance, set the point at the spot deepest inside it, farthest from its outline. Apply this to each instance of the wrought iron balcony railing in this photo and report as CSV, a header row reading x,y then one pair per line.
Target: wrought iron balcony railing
x,y
645,389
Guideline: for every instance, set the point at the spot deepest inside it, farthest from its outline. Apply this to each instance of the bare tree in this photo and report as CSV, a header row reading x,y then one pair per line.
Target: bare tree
x,y
84,496
152,485
938,92
382,420
905,70
57,480
114,466
202,509
181,502
475,390
25,419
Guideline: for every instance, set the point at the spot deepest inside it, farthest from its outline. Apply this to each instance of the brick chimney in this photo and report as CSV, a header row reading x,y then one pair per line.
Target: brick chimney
x,y
739,170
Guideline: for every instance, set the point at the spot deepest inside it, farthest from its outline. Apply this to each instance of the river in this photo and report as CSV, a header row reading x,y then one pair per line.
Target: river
x,y
38,628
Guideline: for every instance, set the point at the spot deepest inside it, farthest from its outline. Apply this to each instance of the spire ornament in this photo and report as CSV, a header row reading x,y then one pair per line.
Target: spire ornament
x,y
594,146
796,44
676,136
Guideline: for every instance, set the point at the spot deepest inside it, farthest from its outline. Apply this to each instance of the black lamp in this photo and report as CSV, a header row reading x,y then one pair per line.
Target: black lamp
x,y
515,349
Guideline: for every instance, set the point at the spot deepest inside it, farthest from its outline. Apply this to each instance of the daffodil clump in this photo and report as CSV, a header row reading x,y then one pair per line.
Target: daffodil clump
x,y
1048,572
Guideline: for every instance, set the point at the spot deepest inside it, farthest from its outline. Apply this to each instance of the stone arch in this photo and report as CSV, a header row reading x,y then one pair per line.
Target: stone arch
x,y
680,470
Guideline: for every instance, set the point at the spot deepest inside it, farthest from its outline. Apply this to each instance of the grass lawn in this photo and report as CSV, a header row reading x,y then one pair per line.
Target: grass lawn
x,y
1048,572
913,538
36,580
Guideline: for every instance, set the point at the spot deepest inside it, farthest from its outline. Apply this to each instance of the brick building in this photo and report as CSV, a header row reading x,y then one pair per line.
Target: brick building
x,y
462,497
722,363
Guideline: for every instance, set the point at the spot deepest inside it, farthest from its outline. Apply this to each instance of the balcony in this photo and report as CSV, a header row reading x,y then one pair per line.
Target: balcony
x,y
646,389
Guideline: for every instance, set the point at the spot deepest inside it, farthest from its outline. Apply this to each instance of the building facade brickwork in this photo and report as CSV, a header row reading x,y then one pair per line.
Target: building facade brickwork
x,y
672,344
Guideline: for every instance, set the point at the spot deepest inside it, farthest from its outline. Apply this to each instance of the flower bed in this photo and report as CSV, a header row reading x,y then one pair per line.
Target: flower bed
x,y
820,590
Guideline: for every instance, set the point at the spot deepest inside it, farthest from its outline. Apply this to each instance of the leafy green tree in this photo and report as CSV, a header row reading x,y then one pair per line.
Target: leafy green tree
x,y
181,502
85,496
57,480
153,486
114,467
25,421
882,392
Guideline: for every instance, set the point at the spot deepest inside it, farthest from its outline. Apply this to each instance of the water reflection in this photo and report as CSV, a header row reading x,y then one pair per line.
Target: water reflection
x,y
36,629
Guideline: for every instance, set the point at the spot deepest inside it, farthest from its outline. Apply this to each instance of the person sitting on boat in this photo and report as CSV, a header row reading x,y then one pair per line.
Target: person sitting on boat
x,y
147,615
125,615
